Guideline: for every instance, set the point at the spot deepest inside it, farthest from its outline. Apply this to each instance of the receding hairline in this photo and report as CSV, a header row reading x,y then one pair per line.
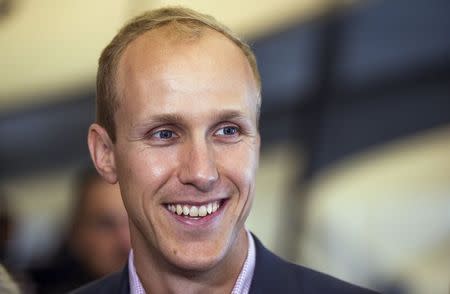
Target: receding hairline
x,y
175,32
170,36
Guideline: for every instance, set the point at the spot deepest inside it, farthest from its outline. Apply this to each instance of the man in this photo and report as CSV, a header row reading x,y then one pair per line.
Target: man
x,y
178,99
97,243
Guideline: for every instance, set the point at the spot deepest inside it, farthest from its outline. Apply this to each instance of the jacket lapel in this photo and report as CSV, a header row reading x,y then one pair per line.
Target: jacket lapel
x,y
124,283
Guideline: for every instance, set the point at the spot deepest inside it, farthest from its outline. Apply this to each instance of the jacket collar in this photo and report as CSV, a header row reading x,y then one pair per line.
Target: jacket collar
x,y
267,270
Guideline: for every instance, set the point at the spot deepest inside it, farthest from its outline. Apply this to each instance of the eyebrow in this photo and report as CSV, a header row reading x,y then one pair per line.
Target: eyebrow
x,y
229,115
176,118
165,118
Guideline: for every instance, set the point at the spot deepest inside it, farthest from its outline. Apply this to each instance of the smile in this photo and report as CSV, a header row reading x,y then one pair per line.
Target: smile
x,y
194,211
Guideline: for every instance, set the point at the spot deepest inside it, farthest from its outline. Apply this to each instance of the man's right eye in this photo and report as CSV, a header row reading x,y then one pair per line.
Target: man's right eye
x,y
163,134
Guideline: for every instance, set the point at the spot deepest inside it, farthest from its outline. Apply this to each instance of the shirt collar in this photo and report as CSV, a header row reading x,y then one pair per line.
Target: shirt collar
x,y
135,284
242,285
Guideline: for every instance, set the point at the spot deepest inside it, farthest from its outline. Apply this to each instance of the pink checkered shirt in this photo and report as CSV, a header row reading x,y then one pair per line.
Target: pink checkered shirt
x,y
242,285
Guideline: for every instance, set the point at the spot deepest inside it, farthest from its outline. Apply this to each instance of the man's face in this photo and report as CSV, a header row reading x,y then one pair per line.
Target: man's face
x,y
187,147
101,238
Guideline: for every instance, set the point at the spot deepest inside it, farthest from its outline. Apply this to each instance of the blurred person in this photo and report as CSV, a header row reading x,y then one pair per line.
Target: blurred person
x,y
98,241
100,236
178,103
6,227
12,275
7,284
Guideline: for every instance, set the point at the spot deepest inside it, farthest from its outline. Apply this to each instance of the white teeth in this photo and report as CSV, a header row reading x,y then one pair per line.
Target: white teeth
x,y
194,211
209,208
202,211
179,209
185,210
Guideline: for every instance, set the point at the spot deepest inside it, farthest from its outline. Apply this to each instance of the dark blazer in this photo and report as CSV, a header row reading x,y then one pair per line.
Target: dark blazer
x,y
272,275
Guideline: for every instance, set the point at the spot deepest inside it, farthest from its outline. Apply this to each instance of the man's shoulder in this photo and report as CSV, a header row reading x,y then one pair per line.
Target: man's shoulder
x,y
273,274
113,283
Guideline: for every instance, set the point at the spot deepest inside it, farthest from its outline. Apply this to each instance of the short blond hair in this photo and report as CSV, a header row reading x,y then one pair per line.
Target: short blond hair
x,y
187,21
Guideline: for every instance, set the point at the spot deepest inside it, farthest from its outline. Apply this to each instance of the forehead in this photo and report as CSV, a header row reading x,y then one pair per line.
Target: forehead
x,y
160,61
166,43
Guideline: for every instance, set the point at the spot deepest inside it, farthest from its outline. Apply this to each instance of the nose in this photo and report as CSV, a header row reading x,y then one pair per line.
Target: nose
x,y
198,166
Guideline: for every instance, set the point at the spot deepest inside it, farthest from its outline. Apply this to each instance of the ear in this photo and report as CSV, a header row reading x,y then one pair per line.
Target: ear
x,y
102,153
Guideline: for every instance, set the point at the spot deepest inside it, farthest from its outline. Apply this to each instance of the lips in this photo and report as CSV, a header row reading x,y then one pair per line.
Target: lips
x,y
194,211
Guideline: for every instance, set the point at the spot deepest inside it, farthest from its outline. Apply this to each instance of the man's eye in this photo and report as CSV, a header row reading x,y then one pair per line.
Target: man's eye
x,y
227,131
163,134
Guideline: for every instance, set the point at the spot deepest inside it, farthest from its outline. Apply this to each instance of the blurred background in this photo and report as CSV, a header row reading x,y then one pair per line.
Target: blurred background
x,y
354,177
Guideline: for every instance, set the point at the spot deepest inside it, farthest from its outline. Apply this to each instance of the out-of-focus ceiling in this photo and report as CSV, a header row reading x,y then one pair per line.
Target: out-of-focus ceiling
x,y
49,48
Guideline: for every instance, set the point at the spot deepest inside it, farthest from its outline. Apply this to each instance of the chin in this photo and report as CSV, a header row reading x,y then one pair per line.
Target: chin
x,y
195,265
197,258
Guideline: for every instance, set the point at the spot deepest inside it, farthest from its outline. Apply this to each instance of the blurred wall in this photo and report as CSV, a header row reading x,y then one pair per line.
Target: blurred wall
x,y
383,215
50,48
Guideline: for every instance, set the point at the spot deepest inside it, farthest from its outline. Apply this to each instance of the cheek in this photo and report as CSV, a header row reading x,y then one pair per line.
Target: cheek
x,y
142,173
240,162
140,168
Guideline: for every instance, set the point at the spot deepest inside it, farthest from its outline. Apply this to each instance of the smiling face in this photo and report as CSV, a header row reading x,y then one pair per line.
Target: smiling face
x,y
187,148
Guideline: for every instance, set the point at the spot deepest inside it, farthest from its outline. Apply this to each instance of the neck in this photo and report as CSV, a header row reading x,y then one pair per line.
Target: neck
x,y
157,275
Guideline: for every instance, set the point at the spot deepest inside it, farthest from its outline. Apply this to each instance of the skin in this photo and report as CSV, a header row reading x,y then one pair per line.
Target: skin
x,y
101,238
186,133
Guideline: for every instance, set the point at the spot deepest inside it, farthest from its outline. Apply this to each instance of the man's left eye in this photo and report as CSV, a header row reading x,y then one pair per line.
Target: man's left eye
x,y
163,134
227,131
